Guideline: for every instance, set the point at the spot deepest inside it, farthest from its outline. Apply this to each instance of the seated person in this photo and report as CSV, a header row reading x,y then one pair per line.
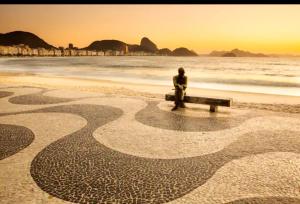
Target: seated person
x,y
180,84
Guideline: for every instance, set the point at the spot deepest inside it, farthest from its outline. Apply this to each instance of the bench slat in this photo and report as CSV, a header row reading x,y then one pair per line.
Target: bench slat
x,y
202,100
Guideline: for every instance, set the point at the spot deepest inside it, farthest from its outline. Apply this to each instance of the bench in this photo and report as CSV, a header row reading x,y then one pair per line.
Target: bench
x,y
212,101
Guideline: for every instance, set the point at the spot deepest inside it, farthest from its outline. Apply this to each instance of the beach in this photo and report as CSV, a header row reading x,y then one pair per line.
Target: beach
x,y
87,113
68,139
279,103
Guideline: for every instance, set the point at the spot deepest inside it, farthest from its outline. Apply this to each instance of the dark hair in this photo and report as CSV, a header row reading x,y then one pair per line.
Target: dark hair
x,y
181,70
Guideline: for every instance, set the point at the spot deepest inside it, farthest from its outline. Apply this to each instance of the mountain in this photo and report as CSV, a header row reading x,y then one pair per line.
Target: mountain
x,y
229,54
135,48
26,38
148,45
241,53
164,51
237,53
182,51
105,45
217,53
284,55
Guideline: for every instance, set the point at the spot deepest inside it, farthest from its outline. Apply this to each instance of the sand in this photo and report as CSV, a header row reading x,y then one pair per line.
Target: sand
x,y
242,100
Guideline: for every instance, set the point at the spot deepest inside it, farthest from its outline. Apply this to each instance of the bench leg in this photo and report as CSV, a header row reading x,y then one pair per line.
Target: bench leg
x,y
213,108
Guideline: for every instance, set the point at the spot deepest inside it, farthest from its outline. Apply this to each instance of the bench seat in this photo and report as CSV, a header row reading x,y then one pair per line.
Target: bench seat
x,y
214,102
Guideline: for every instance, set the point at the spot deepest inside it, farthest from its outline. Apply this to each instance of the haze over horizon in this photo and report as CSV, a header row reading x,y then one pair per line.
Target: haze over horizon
x,y
270,29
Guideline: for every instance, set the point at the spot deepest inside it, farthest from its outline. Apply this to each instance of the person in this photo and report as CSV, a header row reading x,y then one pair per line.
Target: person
x,y
180,84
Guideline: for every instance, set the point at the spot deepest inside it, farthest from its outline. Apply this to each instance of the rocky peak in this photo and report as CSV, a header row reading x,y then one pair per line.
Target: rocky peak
x,y
148,45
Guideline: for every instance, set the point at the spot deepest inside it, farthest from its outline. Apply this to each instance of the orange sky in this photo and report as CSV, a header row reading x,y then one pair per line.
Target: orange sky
x,y
203,28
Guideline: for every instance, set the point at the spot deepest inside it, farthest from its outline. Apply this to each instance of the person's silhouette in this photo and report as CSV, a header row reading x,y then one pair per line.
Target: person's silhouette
x,y
180,84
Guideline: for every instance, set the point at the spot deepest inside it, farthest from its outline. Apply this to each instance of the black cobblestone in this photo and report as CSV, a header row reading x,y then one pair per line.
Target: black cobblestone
x,y
13,139
151,115
4,94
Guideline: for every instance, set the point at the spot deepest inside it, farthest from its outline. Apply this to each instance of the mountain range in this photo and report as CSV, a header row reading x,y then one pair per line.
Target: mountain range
x,y
235,53
146,45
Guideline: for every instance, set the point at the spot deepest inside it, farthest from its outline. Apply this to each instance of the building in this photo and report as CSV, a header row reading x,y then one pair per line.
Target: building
x,y
3,50
51,52
35,52
24,50
125,51
81,52
89,53
12,50
100,53
66,52
108,53
57,52
116,53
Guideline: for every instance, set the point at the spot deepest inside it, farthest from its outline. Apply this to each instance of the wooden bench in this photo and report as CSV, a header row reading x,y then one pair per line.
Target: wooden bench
x,y
212,101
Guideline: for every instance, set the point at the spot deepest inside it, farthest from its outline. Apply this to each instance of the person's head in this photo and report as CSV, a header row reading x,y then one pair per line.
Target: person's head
x,y
181,71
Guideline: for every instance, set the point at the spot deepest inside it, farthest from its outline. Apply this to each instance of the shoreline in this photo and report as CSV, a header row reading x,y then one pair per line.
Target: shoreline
x,y
278,103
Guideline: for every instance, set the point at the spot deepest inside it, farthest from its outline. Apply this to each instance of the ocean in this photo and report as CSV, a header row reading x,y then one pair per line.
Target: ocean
x,y
256,75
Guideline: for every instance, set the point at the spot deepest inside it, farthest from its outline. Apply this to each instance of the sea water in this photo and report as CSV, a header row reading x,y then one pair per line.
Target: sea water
x,y
256,75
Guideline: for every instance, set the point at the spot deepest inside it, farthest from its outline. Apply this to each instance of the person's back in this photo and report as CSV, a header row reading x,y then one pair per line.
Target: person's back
x,y
180,84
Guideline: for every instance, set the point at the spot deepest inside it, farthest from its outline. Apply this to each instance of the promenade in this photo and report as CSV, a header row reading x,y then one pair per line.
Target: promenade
x,y
62,146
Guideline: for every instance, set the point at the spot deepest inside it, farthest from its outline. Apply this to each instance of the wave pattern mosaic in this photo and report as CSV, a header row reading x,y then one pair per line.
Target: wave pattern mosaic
x,y
112,149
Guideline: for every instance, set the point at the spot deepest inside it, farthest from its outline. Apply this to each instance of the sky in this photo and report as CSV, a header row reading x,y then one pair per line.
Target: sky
x,y
202,28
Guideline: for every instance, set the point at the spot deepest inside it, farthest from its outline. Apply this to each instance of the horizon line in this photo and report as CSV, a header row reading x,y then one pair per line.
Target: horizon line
x,y
197,52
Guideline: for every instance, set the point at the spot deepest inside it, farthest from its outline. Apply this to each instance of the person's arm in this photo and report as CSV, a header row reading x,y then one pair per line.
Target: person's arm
x,y
176,85
175,81
185,82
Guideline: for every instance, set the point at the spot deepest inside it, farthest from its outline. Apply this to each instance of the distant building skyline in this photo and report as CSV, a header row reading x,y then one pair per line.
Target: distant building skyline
x,y
203,28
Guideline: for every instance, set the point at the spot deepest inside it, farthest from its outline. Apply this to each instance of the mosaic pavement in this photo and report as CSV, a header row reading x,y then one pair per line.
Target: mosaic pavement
x,y
62,146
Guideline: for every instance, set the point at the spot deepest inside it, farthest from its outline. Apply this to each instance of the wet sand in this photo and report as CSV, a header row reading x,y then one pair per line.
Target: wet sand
x,y
278,103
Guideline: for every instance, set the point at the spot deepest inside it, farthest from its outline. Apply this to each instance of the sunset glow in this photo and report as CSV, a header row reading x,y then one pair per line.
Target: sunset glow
x,y
202,28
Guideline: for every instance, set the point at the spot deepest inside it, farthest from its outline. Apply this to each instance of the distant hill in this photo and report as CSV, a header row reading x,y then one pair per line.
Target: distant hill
x,y
216,53
229,54
182,51
26,38
236,53
145,45
164,51
105,45
284,55
135,48
148,45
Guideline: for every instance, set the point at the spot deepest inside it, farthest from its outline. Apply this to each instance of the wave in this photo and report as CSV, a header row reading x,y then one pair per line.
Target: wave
x,y
284,75
277,63
256,72
247,82
132,66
